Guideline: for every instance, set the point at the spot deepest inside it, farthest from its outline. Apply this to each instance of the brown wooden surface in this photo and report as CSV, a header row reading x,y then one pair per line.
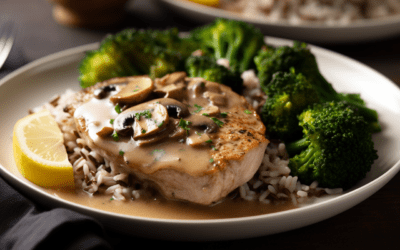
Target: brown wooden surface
x,y
373,224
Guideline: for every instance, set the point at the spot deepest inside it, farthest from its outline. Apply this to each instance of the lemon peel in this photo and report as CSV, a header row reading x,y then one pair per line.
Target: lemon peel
x,y
39,151
213,3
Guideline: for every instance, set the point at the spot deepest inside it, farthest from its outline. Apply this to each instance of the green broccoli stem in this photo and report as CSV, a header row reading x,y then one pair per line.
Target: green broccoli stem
x,y
300,164
296,147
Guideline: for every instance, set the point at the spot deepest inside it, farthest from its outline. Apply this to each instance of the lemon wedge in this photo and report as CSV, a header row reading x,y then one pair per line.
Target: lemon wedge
x,y
39,151
213,3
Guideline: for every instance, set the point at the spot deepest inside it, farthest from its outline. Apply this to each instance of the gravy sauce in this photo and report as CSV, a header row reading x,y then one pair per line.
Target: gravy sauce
x,y
159,208
171,153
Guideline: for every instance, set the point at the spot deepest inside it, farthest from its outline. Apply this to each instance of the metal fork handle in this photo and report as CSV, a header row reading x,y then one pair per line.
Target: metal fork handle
x,y
6,43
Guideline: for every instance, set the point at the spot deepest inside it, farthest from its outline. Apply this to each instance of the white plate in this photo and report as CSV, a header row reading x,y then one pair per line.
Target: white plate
x,y
358,31
38,81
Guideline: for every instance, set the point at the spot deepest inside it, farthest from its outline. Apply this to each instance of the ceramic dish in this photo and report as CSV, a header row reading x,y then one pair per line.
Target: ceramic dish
x,y
359,31
38,81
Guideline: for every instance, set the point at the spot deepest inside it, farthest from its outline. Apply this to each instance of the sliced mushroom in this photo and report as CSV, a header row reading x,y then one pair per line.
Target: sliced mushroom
x,y
213,87
197,85
203,123
143,120
175,108
137,90
175,91
210,110
215,98
172,78
172,131
105,132
196,140
104,91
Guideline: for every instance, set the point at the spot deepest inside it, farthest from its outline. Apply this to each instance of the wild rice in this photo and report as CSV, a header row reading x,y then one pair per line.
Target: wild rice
x,y
329,12
95,174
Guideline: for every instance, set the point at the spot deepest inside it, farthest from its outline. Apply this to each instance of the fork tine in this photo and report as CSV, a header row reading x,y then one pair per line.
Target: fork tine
x,y
6,41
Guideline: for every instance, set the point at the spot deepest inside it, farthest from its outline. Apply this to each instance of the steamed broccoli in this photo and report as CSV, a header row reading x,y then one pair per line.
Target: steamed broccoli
x,y
299,57
288,95
236,41
337,149
136,52
206,67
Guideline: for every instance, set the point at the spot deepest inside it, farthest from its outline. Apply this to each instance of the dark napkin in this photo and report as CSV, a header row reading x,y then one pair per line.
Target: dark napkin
x,y
24,225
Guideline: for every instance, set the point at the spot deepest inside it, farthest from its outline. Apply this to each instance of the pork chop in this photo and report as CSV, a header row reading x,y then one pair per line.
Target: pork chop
x,y
194,140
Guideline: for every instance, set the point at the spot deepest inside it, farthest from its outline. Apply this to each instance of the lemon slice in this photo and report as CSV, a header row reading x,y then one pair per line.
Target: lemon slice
x,y
39,151
214,3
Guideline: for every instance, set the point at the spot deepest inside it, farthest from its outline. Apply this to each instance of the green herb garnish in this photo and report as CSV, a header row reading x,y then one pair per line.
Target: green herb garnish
x,y
143,131
146,114
159,125
184,124
209,141
213,148
248,111
205,114
158,153
211,160
111,121
224,114
218,122
199,108
121,153
118,109
198,133
115,136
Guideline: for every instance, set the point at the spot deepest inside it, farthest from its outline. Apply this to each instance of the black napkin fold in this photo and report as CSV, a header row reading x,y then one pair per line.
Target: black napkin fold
x,y
24,225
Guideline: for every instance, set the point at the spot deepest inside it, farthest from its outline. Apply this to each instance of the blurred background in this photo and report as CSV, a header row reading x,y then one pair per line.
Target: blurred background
x,y
374,43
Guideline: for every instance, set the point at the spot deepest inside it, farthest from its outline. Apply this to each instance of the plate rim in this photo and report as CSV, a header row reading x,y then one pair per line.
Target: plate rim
x,y
212,11
380,181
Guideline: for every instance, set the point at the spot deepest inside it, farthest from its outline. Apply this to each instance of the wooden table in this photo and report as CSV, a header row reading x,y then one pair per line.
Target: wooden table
x,y
373,224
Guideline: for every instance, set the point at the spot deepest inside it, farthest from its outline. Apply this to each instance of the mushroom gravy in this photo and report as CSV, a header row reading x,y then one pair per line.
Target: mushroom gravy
x,y
160,208
193,139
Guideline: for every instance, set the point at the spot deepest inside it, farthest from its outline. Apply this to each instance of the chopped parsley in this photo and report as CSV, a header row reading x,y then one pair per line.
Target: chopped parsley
x,y
224,114
115,136
146,114
121,153
118,109
111,199
198,133
143,131
248,111
213,148
158,153
211,160
111,121
199,108
160,124
218,122
205,114
184,124
209,141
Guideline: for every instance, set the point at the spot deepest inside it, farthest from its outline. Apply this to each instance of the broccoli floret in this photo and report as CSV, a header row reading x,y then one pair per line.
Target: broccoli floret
x,y
236,41
106,62
206,67
337,149
288,95
271,60
136,52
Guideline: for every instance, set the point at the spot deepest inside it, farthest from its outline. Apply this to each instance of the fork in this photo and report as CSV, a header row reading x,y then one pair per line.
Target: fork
x,y
7,36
